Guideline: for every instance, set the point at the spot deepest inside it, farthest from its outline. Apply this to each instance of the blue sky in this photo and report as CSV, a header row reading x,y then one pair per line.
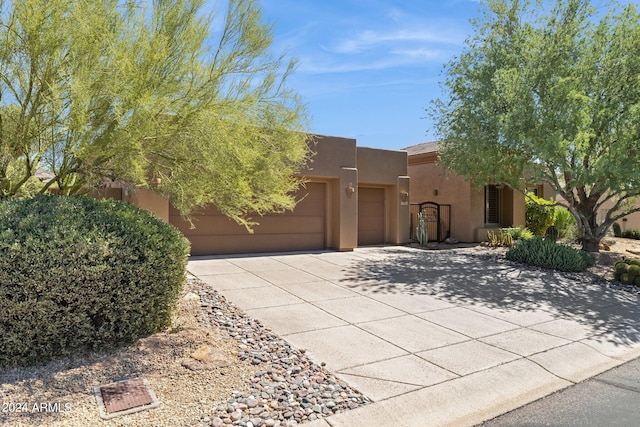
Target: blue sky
x,y
369,68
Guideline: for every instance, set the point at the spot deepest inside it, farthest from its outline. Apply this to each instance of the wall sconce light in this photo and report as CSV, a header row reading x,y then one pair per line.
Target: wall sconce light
x,y
157,181
404,197
435,192
349,190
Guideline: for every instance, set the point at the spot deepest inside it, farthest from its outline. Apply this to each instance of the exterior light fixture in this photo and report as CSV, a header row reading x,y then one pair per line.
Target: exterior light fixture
x,y
349,190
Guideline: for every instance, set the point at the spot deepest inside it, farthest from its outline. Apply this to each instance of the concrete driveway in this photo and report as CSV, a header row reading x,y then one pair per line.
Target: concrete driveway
x,y
432,337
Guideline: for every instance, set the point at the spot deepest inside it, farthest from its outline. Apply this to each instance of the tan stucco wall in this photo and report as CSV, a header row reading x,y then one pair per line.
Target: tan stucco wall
x,y
346,234
338,164
401,222
467,202
427,178
632,223
377,166
150,200
331,153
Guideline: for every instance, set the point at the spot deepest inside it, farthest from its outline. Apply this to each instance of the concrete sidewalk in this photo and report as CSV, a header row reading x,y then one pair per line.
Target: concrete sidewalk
x,y
432,337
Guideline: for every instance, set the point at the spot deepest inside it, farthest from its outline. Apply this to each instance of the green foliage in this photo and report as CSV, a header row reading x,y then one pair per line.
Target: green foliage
x,y
617,231
552,234
548,92
565,222
499,238
631,234
150,92
519,233
548,254
78,274
627,271
540,214
422,232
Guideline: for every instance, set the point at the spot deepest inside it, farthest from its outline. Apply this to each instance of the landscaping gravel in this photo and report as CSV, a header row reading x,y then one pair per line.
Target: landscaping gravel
x,y
288,390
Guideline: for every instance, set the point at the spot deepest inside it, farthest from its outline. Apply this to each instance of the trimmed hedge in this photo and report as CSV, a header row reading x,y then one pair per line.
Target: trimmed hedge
x,y
549,254
631,234
79,274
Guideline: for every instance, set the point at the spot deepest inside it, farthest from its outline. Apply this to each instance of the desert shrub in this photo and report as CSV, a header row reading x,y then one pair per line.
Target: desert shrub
x,y
540,214
499,238
548,254
519,233
565,222
617,231
627,271
79,274
631,234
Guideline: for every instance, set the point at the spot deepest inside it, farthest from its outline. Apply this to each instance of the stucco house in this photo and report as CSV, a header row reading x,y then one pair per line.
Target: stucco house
x,y
466,213
354,196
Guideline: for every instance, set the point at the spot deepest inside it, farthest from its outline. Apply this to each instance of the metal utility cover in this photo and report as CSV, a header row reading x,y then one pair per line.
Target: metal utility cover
x,y
125,397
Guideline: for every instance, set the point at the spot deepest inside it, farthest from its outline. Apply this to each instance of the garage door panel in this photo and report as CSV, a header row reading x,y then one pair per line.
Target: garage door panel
x,y
212,245
300,229
370,194
293,225
371,228
207,224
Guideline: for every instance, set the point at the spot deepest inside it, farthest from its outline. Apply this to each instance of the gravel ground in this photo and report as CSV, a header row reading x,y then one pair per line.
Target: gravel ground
x,y
216,367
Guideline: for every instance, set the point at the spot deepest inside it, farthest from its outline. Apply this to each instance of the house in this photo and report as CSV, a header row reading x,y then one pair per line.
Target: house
x,y
354,196
454,207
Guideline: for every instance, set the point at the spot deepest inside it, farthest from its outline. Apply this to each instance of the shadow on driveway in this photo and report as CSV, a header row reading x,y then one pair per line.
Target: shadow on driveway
x,y
487,279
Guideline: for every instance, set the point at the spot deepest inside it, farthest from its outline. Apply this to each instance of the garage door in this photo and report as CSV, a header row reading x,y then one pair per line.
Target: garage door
x,y
301,229
370,216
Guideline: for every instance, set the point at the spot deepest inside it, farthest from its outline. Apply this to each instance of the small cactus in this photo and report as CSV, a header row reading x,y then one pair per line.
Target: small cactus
x,y
552,234
617,231
422,233
627,271
499,238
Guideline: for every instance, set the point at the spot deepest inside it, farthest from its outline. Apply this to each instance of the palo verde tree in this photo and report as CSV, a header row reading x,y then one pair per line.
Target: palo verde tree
x,y
156,93
550,92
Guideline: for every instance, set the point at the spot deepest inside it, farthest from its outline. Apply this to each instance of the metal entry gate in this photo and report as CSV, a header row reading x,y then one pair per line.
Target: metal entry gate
x,y
438,220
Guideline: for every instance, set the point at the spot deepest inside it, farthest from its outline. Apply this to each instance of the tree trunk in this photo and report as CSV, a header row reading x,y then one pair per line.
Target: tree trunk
x,y
590,244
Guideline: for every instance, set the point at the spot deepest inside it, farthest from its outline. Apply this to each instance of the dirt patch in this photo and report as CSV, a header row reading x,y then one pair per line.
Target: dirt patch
x,y
191,368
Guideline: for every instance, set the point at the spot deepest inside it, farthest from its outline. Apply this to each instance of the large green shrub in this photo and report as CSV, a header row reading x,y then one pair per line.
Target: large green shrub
x,y
79,274
548,254
540,214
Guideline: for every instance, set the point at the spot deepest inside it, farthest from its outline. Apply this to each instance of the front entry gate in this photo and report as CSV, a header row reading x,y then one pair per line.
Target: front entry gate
x,y
438,219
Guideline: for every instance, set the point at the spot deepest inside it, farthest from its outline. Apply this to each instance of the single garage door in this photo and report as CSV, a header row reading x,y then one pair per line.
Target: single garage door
x,y
301,229
370,216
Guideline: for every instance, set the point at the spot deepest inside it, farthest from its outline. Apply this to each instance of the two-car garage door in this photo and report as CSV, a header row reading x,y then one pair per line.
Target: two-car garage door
x,y
301,229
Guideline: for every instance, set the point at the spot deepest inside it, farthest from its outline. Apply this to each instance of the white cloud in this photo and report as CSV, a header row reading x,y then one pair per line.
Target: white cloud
x,y
368,39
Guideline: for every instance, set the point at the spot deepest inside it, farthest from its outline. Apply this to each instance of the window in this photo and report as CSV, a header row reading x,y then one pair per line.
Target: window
x,y
491,204
534,190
